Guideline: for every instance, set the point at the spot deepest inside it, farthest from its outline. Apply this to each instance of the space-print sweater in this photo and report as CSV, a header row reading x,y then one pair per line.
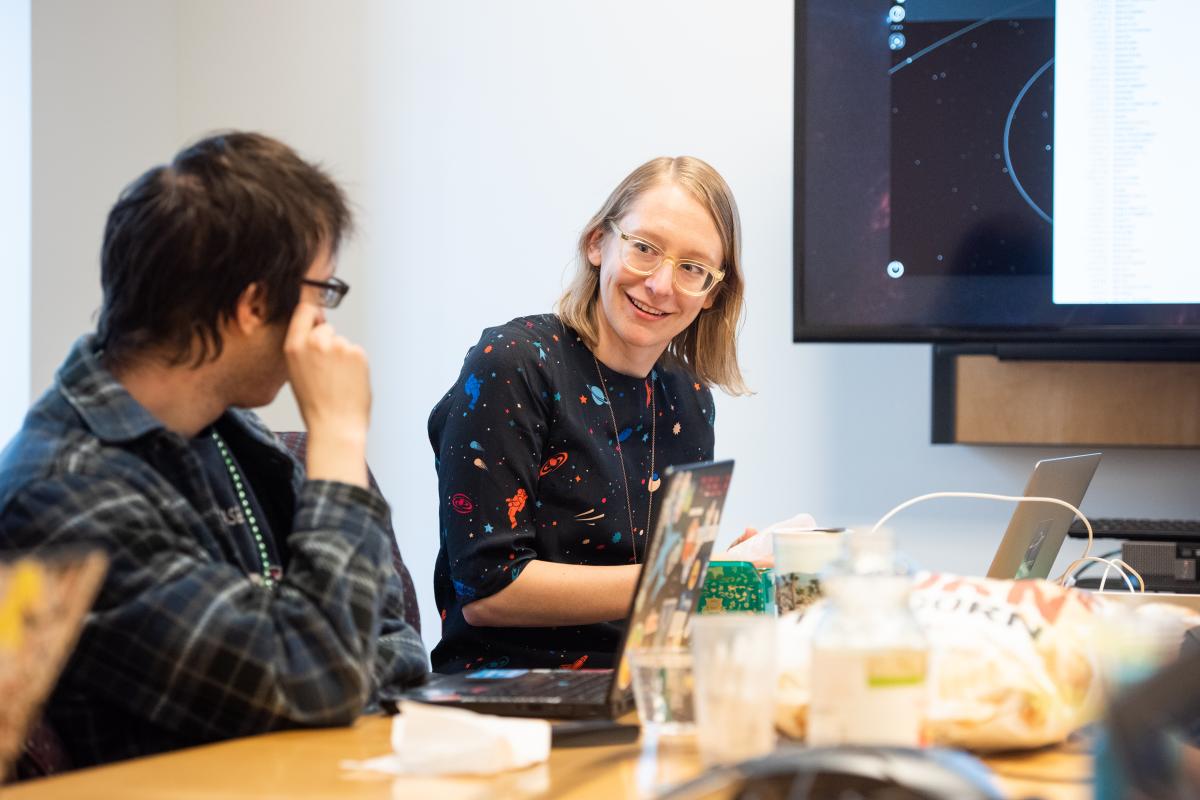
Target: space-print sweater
x,y
529,467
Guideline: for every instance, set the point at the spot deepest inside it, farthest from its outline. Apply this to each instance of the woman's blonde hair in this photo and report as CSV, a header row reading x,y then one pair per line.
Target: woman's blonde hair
x,y
708,347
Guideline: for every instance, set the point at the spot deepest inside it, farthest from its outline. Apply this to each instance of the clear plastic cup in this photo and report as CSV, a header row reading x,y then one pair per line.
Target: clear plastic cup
x,y
734,664
662,690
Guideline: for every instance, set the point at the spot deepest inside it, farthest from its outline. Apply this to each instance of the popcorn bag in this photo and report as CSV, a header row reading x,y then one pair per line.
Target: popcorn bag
x,y
1013,662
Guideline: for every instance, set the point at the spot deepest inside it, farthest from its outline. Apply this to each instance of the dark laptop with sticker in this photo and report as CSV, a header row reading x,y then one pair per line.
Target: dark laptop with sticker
x,y
682,535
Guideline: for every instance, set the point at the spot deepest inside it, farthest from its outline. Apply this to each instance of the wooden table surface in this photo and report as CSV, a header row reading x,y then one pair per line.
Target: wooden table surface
x,y
308,764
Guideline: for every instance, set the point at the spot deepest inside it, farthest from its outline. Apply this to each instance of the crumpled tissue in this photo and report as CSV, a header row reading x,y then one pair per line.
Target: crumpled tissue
x,y
435,740
761,547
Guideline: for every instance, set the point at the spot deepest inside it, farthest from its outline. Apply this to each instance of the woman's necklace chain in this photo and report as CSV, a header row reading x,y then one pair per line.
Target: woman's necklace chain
x,y
239,488
652,482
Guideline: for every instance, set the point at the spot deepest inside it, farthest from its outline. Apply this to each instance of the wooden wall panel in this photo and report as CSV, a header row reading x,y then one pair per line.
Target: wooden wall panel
x,y
1154,404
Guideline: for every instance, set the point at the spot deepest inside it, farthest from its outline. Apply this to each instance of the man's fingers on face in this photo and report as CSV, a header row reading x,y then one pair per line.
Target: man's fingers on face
x,y
352,351
304,317
323,338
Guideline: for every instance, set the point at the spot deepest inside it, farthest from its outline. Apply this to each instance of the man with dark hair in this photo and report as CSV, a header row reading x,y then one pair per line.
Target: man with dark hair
x,y
245,593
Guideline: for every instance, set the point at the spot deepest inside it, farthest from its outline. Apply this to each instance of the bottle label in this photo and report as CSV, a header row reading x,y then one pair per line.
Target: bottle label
x,y
868,696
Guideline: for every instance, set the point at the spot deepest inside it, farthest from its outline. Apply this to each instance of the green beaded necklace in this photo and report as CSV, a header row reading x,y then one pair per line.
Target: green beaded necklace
x,y
240,488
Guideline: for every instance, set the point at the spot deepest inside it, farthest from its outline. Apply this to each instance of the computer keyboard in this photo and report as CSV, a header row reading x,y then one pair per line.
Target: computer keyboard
x,y
537,686
1159,530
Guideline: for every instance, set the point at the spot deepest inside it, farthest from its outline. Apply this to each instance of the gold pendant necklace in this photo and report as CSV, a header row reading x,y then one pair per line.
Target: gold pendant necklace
x,y
653,482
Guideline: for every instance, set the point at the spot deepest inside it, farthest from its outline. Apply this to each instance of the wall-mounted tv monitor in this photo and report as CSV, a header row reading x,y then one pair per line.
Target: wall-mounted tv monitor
x,y
982,170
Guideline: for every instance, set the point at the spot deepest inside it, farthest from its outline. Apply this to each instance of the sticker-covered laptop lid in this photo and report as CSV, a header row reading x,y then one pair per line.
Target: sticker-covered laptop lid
x,y
44,599
681,544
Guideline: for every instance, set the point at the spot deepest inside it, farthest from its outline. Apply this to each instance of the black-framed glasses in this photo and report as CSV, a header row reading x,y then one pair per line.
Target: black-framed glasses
x,y
330,292
643,258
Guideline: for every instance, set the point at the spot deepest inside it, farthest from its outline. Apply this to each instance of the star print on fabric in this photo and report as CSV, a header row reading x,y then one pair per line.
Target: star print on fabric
x,y
582,398
487,528
696,386
675,430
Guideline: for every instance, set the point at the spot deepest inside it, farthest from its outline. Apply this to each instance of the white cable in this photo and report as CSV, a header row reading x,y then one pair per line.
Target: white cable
x,y
1109,565
1117,564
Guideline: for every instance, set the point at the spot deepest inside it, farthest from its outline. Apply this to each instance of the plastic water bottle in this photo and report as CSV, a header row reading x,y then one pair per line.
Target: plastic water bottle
x,y
870,659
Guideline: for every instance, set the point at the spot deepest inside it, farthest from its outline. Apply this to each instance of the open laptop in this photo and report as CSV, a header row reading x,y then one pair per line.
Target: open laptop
x,y
681,542
43,602
1036,531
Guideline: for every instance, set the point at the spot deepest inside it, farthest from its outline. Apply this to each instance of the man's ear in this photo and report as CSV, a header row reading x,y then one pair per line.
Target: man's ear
x,y
594,247
251,309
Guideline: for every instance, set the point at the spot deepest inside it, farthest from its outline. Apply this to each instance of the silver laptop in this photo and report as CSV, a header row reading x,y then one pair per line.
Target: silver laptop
x,y
1036,531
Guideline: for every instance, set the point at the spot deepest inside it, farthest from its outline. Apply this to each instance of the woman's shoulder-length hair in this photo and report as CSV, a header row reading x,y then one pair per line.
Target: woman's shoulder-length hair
x,y
708,347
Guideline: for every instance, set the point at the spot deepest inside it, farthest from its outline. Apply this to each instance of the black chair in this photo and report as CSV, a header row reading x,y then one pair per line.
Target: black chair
x,y
42,754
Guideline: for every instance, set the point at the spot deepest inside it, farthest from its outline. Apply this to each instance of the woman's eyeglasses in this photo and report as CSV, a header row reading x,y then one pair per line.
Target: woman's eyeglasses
x,y
643,258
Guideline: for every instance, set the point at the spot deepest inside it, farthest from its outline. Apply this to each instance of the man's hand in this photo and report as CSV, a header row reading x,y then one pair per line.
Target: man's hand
x,y
331,381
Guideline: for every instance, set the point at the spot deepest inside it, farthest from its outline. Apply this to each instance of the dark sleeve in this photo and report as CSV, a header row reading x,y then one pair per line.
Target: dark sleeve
x,y
194,645
401,661
488,456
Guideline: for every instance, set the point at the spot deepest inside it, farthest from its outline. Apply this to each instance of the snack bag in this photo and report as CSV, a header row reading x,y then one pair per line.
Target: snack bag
x,y
1013,663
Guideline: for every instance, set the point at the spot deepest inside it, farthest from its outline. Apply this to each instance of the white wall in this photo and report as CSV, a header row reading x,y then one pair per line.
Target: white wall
x,y
296,70
104,105
477,138
121,86
15,179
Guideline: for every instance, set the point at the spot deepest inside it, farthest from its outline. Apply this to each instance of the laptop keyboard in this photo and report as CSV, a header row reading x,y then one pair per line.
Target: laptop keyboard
x,y
531,687
1128,528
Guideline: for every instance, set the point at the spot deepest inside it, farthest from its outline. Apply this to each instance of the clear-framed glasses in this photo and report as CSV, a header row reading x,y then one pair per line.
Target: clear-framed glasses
x,y
643,258
330,292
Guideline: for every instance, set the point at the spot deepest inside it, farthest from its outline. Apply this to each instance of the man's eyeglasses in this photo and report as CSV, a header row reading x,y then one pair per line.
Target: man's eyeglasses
x,y
643,258
330,292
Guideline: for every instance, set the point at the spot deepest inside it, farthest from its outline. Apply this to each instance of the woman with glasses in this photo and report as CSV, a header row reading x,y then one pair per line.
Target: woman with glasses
x,y
550,443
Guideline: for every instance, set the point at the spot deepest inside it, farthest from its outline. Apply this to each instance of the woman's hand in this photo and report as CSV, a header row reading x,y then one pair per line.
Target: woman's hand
x,y
750,532
764,561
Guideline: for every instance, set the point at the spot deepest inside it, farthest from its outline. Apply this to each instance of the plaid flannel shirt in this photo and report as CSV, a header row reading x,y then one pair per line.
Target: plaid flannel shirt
x,y
182,645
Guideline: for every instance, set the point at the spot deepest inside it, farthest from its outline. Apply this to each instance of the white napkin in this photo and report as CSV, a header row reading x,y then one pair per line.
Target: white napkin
x,y
760,547
434,740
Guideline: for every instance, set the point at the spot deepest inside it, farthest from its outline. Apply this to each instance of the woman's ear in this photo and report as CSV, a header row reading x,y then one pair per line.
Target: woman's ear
x,y
594,247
